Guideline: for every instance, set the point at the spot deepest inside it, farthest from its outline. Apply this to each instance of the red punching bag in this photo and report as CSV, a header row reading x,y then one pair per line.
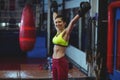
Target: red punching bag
x,y
27,34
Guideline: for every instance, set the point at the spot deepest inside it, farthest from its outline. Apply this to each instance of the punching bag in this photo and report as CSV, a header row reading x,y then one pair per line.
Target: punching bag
x,y
27,34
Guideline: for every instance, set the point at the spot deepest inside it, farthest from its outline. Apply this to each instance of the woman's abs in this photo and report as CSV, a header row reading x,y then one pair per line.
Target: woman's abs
x,y
58,52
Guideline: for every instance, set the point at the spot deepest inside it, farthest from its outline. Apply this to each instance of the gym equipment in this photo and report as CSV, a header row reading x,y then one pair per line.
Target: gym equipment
x,y
118,46
110,40
27,33
113,43
54,6
84,8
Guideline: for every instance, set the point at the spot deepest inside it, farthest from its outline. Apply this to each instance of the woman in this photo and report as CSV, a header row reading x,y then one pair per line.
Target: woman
x,y
61,40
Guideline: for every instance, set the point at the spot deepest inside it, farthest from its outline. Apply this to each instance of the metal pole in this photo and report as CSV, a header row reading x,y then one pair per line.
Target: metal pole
x,y
79,33
48,28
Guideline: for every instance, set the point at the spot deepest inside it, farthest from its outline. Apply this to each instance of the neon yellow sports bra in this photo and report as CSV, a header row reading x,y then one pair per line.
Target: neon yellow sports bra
x,y
58,40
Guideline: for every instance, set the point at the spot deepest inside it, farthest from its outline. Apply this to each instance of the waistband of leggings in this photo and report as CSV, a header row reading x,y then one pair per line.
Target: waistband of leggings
x,y
60,58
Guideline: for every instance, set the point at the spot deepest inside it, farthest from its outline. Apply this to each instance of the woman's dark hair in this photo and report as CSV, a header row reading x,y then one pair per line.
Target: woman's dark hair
x,y
62,17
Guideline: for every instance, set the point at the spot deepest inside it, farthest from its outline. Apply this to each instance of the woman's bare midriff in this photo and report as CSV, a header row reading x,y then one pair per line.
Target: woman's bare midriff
x,y
59,51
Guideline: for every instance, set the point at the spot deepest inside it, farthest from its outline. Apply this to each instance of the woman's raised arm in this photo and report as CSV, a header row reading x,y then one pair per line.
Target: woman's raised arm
x,y
84,8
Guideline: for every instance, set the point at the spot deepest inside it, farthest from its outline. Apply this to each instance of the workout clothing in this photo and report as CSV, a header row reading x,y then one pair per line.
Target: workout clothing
x,y
60,69
58,40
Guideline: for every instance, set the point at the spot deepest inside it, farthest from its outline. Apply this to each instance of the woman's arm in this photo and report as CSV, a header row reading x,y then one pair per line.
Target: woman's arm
x,y
54,7
54,15
71,24
84,8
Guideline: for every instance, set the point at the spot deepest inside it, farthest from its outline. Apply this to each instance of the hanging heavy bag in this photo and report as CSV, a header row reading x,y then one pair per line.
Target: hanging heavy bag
x,y
27,33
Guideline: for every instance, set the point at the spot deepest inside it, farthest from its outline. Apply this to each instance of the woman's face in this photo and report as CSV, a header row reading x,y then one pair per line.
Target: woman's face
x,y
59,23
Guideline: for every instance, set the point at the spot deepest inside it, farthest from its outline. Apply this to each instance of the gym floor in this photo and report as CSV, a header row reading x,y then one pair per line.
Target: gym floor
x,y
33,71
17,68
